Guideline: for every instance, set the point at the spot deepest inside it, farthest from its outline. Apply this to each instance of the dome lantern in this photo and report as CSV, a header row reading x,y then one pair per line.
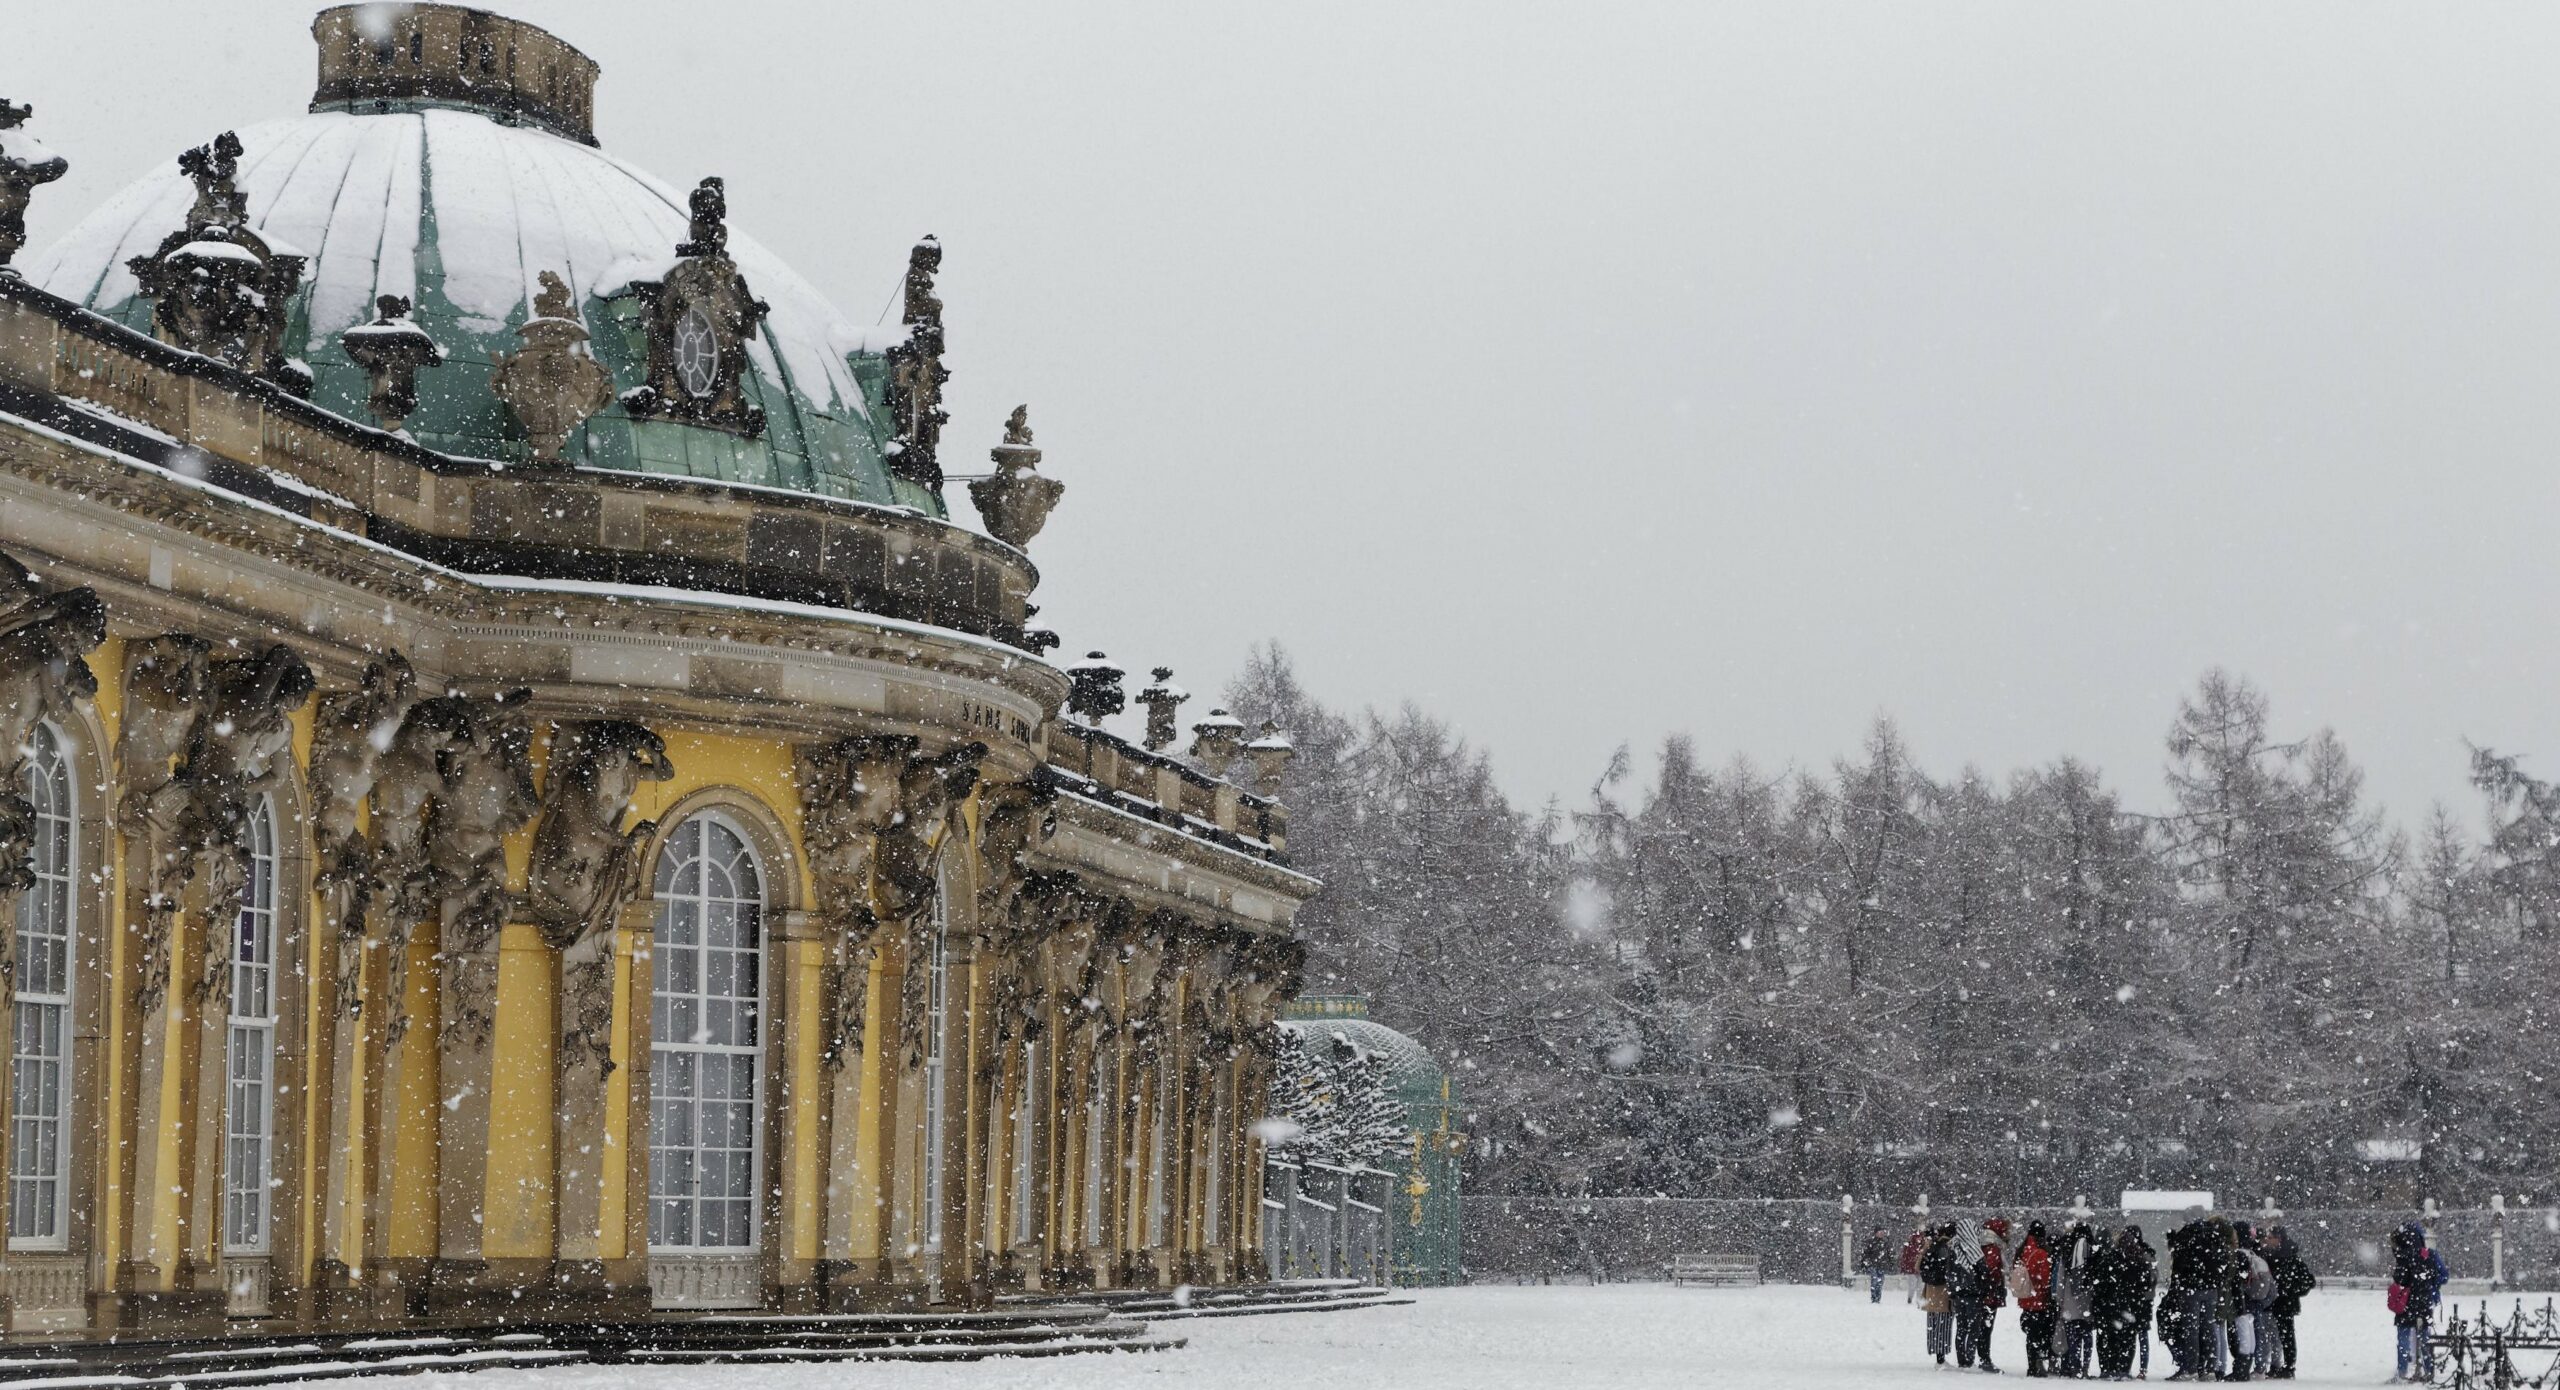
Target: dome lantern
x,y
381,57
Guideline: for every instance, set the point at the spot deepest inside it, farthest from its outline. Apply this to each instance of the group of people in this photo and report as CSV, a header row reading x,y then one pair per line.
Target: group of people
x,y
2086,1300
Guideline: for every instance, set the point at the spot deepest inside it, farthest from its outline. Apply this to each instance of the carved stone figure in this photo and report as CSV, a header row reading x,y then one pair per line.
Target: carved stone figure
x,y
1012,817
239,751
1161,698
701,316
551,383
351,737
202,741
907,872
486,794
910,847
1270,755
216,286
1216,740
391,348
46,636
401,888
1015,501
848,795
917,376
1093,689
25,164
585,866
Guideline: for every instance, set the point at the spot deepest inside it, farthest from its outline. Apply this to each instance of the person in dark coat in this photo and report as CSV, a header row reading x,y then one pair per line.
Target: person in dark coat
x,y
1937,1274
1877,1260
2293,1280
2121,1273
2417,1278
2074,1297
1987,1293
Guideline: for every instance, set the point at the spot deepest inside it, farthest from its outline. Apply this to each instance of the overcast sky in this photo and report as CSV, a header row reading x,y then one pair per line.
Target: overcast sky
x,y
1589,372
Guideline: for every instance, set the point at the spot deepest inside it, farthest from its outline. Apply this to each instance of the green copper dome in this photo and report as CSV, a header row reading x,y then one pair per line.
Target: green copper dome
x,y
462,210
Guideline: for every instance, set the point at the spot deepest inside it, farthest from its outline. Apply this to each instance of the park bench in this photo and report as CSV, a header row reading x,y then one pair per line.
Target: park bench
x,y
1728,1271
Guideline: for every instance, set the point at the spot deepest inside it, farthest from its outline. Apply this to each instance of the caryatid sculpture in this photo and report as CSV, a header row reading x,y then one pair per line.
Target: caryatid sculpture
x,y
585,866
849,795
46,636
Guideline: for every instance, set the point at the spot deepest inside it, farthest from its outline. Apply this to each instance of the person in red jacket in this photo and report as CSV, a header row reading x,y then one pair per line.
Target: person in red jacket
x,y
2033,1279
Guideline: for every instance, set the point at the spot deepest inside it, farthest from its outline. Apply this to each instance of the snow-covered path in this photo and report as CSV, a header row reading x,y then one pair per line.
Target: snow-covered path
x,y
1619,1337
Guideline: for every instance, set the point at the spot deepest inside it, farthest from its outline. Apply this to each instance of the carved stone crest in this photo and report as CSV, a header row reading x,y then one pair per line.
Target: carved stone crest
x,y
1015,500
25,164
701,316
917,376
551,383
217,287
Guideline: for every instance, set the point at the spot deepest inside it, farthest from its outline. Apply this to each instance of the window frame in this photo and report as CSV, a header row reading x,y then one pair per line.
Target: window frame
x,y
248,1201
756,900
58,808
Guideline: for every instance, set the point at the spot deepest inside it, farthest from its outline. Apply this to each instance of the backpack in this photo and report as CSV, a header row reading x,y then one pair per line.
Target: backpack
x,y
2260,1285
2020,1286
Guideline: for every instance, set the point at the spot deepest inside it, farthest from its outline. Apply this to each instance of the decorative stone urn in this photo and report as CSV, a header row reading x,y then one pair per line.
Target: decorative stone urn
x,y
1015,501
391,349
551,383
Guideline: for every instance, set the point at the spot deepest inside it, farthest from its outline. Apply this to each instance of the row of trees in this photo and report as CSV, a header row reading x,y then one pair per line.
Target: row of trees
x,y
1732,982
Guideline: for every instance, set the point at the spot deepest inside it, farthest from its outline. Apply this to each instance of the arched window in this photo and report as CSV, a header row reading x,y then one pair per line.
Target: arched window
x,y
937,1105
40,1136
248,1165
707,995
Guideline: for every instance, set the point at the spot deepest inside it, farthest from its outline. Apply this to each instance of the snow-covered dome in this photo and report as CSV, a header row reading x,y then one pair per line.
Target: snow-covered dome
x,y
460,199
1318,1021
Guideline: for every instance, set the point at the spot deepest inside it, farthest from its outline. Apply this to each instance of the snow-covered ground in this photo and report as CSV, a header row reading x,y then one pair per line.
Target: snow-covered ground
x,y
1501,1337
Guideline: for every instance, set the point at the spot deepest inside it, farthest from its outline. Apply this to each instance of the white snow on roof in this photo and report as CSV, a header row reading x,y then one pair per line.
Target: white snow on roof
x,y
509,201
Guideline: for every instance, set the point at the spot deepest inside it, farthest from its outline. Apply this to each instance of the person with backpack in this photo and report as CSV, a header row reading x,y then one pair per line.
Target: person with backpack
x,y
2293,1280
1936,1271
1979,1311
2417,1277
2254,1290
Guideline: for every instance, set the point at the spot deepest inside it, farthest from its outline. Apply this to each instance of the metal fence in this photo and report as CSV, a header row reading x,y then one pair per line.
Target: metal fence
x,y
1324,1222
1629,1238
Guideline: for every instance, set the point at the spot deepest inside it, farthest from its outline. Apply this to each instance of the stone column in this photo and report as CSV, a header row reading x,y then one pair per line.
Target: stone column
x,y
967,1126
625,1248
468,992
204,1142
797,983
582,1148
401,1089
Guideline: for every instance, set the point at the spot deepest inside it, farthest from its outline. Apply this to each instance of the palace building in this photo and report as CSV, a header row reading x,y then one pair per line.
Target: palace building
x,y
528,804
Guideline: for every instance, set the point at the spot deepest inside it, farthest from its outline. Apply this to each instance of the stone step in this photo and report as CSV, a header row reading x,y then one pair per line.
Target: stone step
x,y
1047,1330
